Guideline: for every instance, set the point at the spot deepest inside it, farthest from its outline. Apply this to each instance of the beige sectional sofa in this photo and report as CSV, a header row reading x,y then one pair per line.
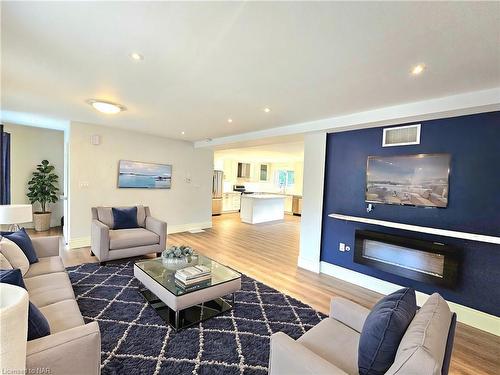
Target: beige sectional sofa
x,y
73,347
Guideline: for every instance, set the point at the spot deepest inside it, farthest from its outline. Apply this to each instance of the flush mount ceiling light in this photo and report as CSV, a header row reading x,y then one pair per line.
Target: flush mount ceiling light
x,y
267,110
229,120
418,69
106,107
136,56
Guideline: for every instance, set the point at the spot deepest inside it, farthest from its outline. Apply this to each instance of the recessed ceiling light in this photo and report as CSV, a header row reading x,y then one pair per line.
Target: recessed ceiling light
x,y
106,107
229,120
183,133
267,110
418,69
136,56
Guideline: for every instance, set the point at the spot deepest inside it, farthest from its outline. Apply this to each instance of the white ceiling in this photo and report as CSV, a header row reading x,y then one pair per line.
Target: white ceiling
x,y
275,153
207,61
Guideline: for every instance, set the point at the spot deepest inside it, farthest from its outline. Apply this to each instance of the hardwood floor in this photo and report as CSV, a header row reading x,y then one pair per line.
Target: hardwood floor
x,y
269,252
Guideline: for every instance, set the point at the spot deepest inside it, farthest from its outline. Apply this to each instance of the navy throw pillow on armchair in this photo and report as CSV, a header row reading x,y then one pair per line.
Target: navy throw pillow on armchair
x,y
38,326
125,218
383,330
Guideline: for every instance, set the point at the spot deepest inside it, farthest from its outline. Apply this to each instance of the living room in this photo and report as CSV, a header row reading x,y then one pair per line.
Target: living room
x,y
381,119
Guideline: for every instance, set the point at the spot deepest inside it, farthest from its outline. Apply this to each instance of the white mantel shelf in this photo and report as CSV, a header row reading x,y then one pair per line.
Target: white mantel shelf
x,y
416,228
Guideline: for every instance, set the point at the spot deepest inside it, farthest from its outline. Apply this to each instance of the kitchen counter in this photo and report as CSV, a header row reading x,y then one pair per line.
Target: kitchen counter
x,y
263,196
261,208
282,194
265,193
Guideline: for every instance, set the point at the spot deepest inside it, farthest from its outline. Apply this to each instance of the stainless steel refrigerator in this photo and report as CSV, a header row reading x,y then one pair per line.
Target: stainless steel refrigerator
x,y
217,192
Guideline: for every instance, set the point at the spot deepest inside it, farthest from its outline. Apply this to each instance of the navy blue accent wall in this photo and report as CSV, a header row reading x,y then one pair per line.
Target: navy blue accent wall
x,y
473,206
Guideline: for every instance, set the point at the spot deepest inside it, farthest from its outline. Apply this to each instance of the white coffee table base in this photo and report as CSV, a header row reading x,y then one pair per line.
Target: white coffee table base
x,y
186,310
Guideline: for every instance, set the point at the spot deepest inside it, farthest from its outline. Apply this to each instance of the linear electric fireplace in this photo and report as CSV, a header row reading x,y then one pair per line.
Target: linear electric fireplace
x,y
425,261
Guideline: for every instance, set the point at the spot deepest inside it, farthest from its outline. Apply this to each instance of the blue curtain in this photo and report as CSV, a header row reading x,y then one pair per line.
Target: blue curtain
x,y
5,168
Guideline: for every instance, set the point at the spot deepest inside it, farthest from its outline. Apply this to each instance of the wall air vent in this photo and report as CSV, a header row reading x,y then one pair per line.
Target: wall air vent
x,y
401,136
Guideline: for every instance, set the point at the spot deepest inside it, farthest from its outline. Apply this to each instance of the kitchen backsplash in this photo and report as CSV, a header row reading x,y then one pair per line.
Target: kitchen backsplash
x,y
261,187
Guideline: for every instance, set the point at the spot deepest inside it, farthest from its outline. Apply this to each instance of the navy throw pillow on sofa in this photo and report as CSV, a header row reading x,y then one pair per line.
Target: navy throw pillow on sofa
x,y
38,326
383,330
12,277
125,218
21,239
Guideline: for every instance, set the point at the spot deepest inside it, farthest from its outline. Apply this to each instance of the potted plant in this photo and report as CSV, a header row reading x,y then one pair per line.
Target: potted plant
x,y
42,188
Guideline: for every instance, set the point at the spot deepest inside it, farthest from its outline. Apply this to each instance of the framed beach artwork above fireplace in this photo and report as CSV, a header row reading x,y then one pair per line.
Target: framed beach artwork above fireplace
x,y
139,175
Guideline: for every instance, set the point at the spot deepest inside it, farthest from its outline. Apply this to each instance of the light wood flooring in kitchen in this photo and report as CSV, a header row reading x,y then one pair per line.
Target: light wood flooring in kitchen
x,y
268,253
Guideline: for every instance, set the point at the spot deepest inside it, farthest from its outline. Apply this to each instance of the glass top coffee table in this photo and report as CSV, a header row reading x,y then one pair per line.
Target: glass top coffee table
x,y
180,306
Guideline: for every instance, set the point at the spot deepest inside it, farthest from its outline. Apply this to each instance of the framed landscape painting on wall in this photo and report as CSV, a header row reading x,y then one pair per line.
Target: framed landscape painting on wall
x,y
134,174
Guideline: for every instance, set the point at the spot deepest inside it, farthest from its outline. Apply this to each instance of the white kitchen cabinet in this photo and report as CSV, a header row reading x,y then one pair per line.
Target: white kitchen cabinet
x,y
235,201
243,170
231,202
230,170
264,172
226,202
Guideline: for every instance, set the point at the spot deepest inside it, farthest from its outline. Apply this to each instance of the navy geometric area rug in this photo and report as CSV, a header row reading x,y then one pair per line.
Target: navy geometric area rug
x,y
135,340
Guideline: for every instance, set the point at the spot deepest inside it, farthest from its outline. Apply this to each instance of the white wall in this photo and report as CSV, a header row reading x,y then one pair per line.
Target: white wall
x,y
29,146
312,202
93,172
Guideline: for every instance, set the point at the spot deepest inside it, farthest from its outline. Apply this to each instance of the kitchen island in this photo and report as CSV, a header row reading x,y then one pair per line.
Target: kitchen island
x,y
261,208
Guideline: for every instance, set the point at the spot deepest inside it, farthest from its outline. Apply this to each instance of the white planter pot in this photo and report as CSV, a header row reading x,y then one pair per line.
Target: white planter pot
x,y
42,221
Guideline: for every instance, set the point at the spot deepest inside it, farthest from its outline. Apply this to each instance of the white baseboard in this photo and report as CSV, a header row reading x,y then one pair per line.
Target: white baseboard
x,y
309,265
53,224
466,315
187,227
76,243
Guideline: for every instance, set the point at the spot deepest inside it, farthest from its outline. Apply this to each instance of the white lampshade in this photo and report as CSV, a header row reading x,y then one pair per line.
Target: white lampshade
x,y
15,213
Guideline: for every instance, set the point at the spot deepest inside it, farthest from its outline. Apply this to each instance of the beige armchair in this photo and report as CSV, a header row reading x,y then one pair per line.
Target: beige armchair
x,y
109,244
331,347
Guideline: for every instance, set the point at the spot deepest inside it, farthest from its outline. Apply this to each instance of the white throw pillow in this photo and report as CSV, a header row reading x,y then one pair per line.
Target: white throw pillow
x,y
14,255
4,263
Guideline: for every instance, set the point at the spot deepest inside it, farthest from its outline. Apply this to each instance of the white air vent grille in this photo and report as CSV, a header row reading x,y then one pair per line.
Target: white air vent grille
x,y
401,136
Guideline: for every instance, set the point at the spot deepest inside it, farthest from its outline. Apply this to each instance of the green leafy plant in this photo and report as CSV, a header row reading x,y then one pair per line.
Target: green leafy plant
x,y
42,187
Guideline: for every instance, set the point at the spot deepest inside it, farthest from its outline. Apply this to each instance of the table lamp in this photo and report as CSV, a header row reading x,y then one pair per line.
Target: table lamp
x,y
14,214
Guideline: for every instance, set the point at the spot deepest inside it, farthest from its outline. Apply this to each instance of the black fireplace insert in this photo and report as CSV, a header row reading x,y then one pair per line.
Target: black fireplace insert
x,y
425,261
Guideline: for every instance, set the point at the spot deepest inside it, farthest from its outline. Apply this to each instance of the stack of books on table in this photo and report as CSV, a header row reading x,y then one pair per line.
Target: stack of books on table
x,y
193,275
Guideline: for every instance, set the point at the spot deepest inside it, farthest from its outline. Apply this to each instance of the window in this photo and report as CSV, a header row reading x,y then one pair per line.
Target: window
x,y
285,178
